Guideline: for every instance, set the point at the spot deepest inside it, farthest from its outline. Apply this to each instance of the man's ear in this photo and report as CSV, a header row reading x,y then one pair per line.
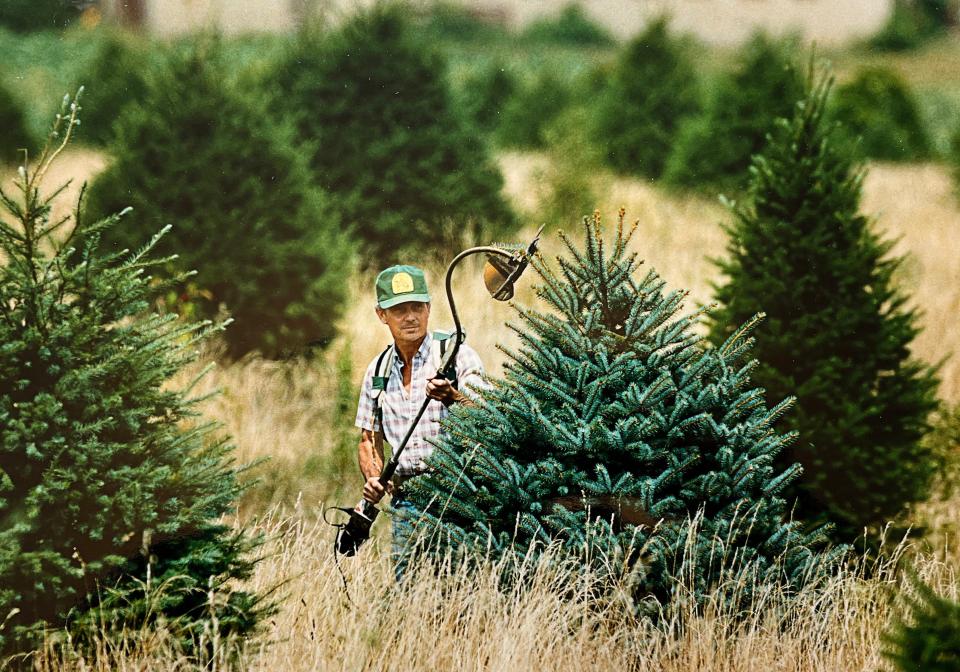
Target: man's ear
x,y
381,314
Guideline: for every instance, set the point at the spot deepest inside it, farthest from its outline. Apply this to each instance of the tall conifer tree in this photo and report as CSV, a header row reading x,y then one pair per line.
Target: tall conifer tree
x,y
205,157
615,431
651,91
110,487
372,103
837,333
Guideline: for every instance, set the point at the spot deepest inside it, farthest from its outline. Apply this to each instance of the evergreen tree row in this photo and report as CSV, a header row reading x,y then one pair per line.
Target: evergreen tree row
x,y
357,147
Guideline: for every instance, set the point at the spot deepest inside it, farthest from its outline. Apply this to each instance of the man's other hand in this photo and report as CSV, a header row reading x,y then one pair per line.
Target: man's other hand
x,y
373,490
441,390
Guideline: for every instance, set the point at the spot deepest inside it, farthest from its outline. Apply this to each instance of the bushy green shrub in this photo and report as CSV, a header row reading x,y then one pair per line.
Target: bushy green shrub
x,y
617,438
374,112
14,135
571,27
115,78
110,489
25,16
454,22
911,24
714,148
652,90
880,117
484,93
837,333
537,102
206,158
926,638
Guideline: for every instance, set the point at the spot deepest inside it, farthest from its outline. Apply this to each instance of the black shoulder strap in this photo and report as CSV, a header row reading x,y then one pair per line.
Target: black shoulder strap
x,y
380,380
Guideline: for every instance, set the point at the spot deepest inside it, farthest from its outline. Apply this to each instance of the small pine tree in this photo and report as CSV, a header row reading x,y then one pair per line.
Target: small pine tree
x,y
115,78
652,90
616,435
912,23
205,158
527,114
484,93
928,638
880,116
571,26
14,135
110,488
837,333
374,105
714,148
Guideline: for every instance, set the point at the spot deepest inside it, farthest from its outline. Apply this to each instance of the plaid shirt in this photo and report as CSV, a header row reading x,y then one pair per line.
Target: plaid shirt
x,y
400,407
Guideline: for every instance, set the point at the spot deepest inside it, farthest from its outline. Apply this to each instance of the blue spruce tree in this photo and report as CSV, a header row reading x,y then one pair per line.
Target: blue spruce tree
x,y
614,431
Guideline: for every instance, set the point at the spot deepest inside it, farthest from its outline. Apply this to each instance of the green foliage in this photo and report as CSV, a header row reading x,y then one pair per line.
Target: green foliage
x,y
373,105
927,637
459,24
14,135
527,114
110,487
571,27
879,114
567,184
714,148
616,436
25,16
484,93
116,78
911,24
652,90
203,156
837,332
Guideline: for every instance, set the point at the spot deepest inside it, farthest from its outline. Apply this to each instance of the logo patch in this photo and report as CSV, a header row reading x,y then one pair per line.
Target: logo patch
x,y
402,283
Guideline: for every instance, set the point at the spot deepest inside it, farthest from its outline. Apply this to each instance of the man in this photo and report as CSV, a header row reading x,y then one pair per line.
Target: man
x,y
403,304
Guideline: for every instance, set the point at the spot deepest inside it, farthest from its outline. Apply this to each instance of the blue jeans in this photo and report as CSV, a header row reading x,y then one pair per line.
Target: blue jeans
x,y
402,532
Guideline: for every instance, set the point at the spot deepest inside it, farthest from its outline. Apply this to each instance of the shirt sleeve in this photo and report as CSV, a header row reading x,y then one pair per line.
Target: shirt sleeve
x,y
470,378
365,416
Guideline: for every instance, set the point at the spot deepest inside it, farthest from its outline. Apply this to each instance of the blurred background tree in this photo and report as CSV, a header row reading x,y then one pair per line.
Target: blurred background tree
x,y
373,105
14,135
571,27
114,79
650,93
714,148
879,117
268,243
926,636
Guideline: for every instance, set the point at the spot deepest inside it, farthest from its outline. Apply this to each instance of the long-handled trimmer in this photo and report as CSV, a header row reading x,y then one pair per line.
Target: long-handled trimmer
x,y
501,271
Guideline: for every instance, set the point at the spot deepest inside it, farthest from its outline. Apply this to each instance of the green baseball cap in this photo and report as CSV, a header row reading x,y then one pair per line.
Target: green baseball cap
x,y
401,284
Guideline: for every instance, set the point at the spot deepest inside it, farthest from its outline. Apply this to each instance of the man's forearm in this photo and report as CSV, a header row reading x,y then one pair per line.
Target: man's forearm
x,y
370,455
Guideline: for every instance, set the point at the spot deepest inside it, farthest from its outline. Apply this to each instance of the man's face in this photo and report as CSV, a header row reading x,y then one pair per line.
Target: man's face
x,y
407,321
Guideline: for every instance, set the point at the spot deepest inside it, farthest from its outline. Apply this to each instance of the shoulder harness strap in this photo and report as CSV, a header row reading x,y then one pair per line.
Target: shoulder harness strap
x,y
381,376
441,341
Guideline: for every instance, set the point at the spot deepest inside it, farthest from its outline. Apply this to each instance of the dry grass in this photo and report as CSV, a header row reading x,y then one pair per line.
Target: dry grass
x,y
450,619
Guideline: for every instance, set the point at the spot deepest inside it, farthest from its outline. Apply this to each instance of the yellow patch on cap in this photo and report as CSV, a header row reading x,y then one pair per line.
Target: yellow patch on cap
x,y
402,283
